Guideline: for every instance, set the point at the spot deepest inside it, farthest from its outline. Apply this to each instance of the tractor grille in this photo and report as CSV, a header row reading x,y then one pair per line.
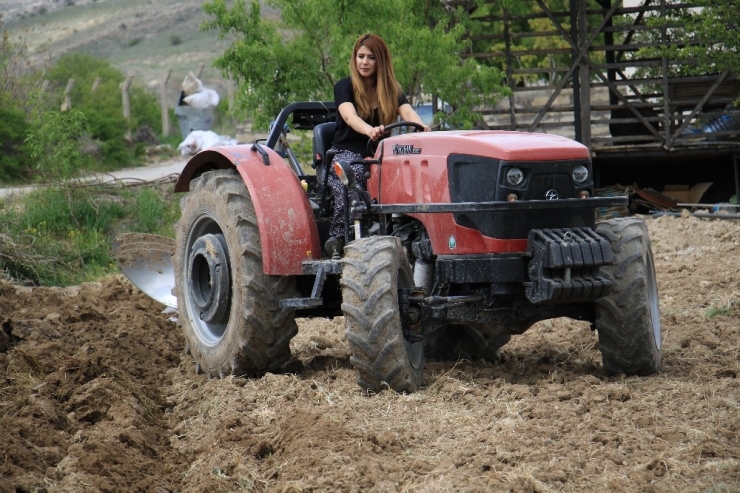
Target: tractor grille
x,y
481,179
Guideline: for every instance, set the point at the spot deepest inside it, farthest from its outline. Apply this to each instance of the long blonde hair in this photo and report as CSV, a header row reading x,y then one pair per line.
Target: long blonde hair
x,y
386,86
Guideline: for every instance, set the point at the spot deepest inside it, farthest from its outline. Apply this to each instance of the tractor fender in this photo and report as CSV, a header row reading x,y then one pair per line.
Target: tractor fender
x,y
288,232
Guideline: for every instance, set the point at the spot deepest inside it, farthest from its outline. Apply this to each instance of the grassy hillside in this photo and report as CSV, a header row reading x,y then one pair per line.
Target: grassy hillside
x,y
143,38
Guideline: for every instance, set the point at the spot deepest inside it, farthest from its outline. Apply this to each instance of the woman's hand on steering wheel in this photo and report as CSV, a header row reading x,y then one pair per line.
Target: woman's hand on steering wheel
x,y
376,133
417,127
382,131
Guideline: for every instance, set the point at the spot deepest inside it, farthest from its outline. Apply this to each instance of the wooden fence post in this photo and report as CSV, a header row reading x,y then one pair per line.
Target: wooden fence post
x,y
231,93
125,99
126,105
95,84
67,104
200,70
165,110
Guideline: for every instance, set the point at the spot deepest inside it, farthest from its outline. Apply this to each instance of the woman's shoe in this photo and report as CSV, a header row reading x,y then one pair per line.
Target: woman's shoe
x,y
334,247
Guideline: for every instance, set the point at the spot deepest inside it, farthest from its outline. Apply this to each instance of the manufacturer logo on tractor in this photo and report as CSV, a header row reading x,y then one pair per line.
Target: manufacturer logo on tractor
x,y
405,149
551,194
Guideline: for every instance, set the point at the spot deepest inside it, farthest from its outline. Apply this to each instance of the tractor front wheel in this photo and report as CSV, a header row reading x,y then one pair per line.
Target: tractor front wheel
x,y
228,307
628,319
373,269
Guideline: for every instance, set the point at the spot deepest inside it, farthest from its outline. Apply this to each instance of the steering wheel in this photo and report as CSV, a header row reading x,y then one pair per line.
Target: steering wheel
x,y
372,145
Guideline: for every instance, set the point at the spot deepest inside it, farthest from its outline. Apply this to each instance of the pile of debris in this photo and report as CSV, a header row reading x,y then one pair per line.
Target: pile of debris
x,y
195,112
673,200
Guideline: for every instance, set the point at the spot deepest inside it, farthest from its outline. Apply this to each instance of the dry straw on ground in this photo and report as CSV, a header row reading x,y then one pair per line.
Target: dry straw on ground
x,y
98,396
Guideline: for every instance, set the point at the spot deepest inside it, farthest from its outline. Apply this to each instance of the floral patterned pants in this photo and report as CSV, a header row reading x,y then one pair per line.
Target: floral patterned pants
x,y
337,188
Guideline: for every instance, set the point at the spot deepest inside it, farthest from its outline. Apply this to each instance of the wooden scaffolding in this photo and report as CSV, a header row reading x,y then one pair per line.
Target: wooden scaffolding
x,y
609,83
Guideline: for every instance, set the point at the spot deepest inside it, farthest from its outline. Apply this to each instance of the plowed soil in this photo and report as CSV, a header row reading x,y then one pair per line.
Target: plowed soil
x,y
98,395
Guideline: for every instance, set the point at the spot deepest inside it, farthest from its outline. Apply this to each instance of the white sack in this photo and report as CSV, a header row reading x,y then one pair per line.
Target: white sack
x,y
197,140
206,98
191,84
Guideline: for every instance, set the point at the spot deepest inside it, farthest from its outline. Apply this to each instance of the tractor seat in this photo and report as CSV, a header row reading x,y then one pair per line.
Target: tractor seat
x,y
323,136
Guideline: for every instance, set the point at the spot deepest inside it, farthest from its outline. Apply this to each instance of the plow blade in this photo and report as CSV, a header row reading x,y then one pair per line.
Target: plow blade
x,y
146,260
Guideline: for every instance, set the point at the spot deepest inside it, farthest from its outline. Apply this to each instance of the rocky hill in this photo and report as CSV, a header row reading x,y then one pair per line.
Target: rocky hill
x,y
14,10
143,38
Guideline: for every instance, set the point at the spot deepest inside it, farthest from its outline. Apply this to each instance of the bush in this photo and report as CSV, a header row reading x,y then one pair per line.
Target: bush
x,y
157,211
57,237
63,236
55,142
102,108
14,155
99,112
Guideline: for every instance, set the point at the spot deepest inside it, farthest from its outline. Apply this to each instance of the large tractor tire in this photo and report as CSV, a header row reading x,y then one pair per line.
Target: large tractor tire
x,y
228,307
373,269
628,319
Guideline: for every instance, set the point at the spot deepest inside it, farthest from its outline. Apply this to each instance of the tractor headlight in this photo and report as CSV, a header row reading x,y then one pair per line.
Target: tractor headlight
x,y
515,176
580,173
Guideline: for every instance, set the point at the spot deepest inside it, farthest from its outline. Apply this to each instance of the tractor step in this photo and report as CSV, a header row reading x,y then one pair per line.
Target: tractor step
x,y
301,303
319,268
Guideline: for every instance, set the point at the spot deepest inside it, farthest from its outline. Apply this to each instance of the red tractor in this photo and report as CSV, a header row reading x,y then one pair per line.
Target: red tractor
x,y
461,239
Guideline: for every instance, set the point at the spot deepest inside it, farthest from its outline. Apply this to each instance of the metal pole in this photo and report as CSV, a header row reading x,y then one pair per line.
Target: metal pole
x,y
664,65
737,177
576,76
585,74
510,72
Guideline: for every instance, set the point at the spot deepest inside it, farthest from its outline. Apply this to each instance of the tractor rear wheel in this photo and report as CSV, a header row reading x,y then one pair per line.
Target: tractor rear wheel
x,y
373,269
228,307
628,319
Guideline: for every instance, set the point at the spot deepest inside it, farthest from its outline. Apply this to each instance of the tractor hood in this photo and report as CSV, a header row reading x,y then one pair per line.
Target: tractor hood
x,y
504,145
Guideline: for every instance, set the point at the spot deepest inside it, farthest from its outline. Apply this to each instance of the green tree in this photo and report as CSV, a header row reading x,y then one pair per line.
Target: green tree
x,y
301,56
530,30
699,39
713,32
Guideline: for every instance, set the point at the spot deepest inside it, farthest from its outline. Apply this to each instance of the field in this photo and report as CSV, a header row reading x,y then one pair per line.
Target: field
x,y
98,395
